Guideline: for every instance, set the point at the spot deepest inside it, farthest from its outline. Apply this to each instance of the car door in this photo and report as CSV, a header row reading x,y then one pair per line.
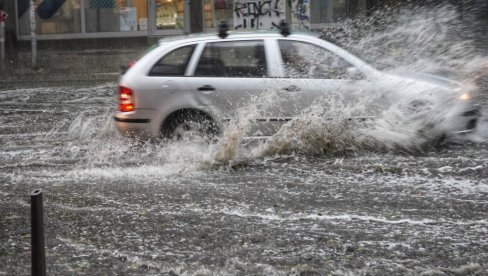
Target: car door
x,y
315,79
232,78
165,80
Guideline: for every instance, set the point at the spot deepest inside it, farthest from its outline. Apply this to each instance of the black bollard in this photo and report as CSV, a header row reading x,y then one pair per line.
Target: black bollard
x,y
37,234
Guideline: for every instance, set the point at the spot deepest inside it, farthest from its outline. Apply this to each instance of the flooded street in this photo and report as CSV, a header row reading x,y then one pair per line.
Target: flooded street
x,y
112,207
115,206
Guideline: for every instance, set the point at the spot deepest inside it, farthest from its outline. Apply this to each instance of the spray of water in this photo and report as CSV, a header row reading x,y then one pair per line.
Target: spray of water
x,y
228,146
396,40
411,39
334,127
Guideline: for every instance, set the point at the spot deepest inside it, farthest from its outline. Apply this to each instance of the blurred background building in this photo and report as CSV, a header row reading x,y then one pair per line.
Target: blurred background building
x,y
78,19
130,24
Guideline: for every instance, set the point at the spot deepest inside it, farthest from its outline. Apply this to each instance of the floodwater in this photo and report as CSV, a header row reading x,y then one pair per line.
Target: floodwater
x,y
116,207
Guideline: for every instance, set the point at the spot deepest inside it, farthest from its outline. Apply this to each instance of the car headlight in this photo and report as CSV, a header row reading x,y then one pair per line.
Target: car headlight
x,y
466,92
465,97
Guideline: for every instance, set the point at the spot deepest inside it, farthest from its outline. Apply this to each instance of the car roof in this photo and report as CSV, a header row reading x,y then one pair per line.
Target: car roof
x,y
260,34
232,35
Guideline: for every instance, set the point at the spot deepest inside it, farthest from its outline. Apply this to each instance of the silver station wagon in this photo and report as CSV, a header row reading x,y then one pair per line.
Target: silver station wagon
x,y
197,84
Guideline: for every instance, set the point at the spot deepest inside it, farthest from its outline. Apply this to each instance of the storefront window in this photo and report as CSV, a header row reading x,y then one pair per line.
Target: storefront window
x,y
116,15
216,11
340,10
208,14
335,10
300,12
170,14
52,17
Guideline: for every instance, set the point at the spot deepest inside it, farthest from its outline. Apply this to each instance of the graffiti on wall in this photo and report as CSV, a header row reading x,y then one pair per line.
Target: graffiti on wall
x,y
258,14
301,14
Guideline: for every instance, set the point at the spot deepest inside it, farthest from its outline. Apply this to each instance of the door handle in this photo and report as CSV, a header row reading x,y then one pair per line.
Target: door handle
x,y
291,88
206,88
166,84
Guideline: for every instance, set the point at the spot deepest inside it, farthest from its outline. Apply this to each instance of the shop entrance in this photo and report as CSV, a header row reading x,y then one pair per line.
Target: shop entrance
x,y
168,17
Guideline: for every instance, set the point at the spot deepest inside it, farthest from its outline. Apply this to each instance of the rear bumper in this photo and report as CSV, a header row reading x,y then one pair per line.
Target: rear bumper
x,y
132,121
139,123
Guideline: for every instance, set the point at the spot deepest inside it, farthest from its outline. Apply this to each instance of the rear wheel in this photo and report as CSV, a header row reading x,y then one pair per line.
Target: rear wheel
x,y
191,126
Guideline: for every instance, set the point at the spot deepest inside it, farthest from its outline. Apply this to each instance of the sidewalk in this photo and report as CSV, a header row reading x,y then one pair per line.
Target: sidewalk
x,y
65,67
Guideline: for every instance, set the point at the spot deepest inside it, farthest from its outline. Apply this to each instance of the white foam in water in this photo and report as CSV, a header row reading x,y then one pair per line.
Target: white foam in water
x,y
239,126
413,39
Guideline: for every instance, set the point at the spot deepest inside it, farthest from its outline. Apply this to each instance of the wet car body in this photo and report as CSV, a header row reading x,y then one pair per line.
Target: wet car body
x,y
207,79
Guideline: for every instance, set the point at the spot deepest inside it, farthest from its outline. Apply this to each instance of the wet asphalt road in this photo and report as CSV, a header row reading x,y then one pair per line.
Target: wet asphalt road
x,y
115,209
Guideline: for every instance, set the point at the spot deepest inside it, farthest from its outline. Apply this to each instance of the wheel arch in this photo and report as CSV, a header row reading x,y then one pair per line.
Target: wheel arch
x,y
192,113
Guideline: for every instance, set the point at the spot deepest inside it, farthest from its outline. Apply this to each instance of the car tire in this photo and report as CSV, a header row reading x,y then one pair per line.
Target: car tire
x,y
190,127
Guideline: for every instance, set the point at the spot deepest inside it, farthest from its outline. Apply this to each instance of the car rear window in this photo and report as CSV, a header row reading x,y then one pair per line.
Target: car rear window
x,y
174,63
233,59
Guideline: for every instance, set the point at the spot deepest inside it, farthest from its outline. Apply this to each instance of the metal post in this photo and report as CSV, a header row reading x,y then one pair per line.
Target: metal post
x,y
33,34
3,17
37,234
2,40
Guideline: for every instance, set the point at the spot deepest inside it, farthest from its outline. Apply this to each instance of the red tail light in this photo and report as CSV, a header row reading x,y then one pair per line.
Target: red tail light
x,y
126,99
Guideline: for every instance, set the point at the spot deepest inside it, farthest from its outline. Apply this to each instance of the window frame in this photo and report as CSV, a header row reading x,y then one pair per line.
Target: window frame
x,y
200,50
283,73
166,53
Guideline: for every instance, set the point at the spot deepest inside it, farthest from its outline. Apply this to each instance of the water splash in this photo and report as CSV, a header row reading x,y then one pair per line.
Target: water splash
x,y
412,39
228,146
332,127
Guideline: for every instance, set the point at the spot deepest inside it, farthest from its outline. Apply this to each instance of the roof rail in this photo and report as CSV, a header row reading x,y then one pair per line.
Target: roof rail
x,y
284,29
223,29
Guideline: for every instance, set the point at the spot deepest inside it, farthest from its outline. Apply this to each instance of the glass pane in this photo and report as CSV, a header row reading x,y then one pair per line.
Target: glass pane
x,y
300,15
170,14
174,63
233,59
340,10
115,15
216,11
304,60
52,17
208,14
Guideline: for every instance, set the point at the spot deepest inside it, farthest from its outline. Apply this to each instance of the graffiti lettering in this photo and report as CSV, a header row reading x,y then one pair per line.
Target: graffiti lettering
x,y
256,9
257,14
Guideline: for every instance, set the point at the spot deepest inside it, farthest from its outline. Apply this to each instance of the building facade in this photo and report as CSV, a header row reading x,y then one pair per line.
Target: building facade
x,y
78,19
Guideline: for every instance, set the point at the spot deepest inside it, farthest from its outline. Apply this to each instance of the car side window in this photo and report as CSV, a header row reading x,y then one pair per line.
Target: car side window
x,y
305,60
174,63
239,59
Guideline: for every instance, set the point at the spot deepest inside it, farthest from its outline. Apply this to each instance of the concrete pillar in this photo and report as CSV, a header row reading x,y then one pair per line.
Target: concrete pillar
x,y
196,16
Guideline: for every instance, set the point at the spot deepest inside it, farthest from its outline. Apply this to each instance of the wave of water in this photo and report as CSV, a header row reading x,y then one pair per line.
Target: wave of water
x,y
414,40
